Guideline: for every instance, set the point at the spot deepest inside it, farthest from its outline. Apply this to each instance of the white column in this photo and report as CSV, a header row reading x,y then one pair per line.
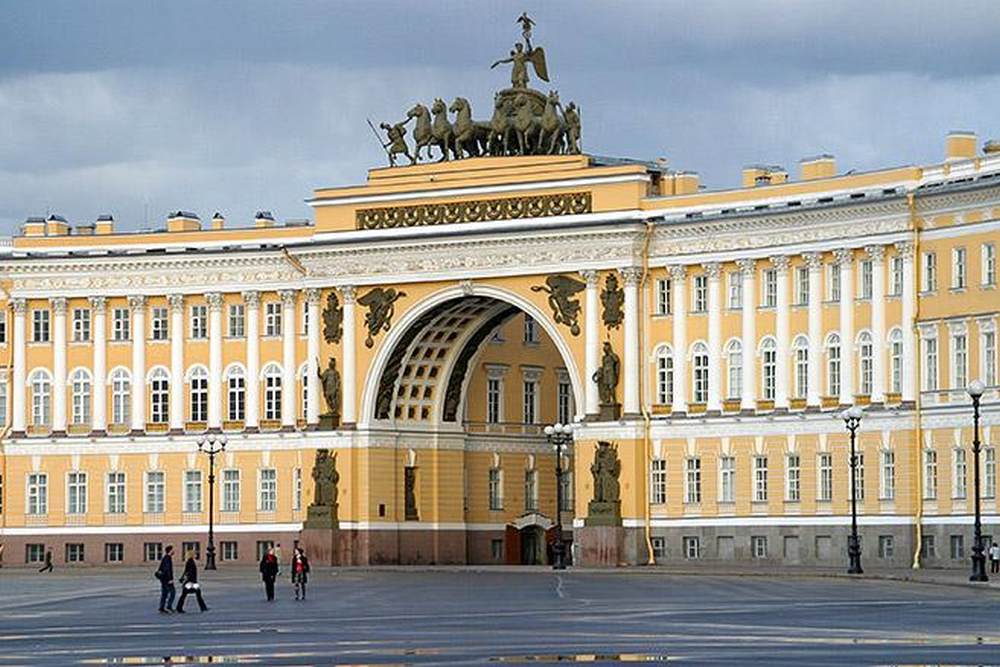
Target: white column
x,y
845,260
252,328
782,333
99,306
59,366
592,342
214,360
312,374
348,415
19,379
177,411
678,275
876,254
814,261
909,393
288,359
632,275
748,400
138,306
714,272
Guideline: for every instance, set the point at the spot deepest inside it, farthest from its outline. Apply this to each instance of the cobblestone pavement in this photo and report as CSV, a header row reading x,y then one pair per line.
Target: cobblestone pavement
x,y
503,616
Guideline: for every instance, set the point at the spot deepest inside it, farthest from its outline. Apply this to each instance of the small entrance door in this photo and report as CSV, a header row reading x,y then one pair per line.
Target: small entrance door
x,y
532,545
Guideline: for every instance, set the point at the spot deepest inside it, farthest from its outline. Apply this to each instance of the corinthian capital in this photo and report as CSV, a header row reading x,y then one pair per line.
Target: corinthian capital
x,y
780,263
747,267
137,303
313,296
20,306
591,277
814,260
99,304
59,305
176,302
349,293
678,272
251,298
876,253
632,275
843,256
713,270
905,249
214,301
287,297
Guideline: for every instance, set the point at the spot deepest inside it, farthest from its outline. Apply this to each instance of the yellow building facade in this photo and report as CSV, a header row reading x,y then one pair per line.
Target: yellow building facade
x,y
748,319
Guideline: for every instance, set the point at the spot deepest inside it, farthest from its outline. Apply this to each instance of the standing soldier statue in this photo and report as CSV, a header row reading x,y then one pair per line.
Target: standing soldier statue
x,y
397,142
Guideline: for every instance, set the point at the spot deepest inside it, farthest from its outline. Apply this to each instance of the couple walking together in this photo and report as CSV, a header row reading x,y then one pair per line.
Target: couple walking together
x,y
189,582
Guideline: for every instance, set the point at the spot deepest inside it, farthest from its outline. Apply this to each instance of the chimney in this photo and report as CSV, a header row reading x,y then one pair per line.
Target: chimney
x,y
686,183
263,219
759,174
105,225
960,145
819,166
34,227
56,225
183,221
218,222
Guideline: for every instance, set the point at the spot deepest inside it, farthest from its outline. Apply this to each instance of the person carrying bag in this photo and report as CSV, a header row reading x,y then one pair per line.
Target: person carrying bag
x,y
190,585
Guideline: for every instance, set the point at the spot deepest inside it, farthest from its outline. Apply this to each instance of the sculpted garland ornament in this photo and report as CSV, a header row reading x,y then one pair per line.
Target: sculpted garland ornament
x,y
481,210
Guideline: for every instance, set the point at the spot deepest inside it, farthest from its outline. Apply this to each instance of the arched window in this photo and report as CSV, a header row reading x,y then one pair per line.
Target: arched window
x,y
664,375
198,394
896,361
272,392
865,363
80,388
159,396
236,394
41,397
121,391
699,371
801,350
833,365
768,367
734,361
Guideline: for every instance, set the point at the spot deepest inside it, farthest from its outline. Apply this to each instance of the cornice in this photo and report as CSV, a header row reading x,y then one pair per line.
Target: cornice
x,y
943,200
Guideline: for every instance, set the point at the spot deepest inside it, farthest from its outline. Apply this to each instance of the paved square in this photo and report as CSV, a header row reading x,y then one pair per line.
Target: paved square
x,y
501,616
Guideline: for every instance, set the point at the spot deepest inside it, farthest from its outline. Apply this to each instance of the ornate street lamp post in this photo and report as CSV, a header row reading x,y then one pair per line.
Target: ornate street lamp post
x,y
852,419
211,444
559,436
976,389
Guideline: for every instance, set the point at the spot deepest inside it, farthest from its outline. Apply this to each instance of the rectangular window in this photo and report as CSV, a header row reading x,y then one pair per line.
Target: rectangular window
x,y
191,546
989,358
663,296
959,273
305,318
928,546
237,320
76,493
658,481
825,490
530,401
114,552
692,480
160,324
957,543
230,490
802,285
566,483
735,289
199,322
887,481
760,479
959,474
564,402
885,547
699,297
272,319
297,489
530,330
530,490
930,364
38,493
659,547
267,495
727,479
39,326
928,277
192,491
81,325
793,475
262,547
3,327
34,553
115,493
859,477
229,550
496,489
833,279
989,472
121,324
152,551
494,397
769,298
156,487
867,282
959,361
74,552
692,547
758,546
896,276
989,264
930,474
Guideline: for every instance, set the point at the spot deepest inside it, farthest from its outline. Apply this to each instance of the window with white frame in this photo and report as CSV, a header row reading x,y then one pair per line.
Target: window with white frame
x,y
114,492
895,361
692,547
530,490
230,490
530,330
769,287
734,369
896,276
496,489
769,368
272,318
80,391
159,396
865,363
887,475
988,358
989,264
867,278
692,480
664,376
40,330
494,400
267,491
824,490
959,361
297,489
758,546
160,329
760,479
833,281
237,320
735,289
793,478
930,474
959,473
859,477
76,493
272,392
658,481
121,396
81,325
305,318
800,350
37,494
959,269
3,410
886,547
236,394
928,274
664,291
530,400
930,364
199,322
3,327
121,324
699,295
699,373
802,285
41,397
989,472
198,394
727,479
564,400
192,491
156,489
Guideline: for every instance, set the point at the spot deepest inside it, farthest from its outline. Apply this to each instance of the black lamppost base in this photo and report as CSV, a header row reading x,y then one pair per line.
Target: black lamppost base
x,y
978,565
210,557
854,557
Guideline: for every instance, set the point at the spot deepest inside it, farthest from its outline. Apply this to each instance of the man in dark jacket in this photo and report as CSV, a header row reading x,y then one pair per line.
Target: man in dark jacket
x,y
189,584
165,573
268,572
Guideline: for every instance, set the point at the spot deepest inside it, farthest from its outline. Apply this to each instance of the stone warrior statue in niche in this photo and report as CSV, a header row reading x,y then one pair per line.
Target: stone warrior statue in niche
x,y
606,378
326,478
605,507
330,380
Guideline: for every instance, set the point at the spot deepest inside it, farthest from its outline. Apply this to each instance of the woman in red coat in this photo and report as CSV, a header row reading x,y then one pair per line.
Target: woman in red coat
x,y
300,572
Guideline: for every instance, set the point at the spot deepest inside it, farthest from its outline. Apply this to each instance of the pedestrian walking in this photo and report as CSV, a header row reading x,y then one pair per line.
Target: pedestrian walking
x,y
300,572
994,559
189,583
278,554
165,573
269,572
47,567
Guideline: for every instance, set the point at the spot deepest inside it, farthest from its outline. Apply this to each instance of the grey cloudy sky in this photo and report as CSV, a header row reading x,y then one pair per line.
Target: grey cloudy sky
x,y
138,108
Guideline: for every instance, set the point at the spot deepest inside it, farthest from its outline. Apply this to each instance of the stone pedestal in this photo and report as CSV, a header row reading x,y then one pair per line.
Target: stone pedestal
x,y
329,422
320,535
609,412
600,546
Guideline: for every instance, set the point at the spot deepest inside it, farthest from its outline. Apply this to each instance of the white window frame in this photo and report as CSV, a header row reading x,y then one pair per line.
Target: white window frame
x,y
76,492
664,375
959,360
121,325
768,368
236,394
272,319
81,325
230,490
928,272
121,396
193,491
658,481
267,490
692,480
160,323
960,474
664,293
699,294
81,392
199,321
769,288
36,494
735,289
734,369
793,478
824,487
236,321
989,265
959,268
159,396
154,500
699,373
887,475
760,478
41,325
727,479
929,471
115,490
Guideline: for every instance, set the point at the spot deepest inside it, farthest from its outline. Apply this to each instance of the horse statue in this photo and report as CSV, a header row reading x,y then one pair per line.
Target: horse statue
x,y
553,129
500,126
422,135
444,133
465,141
525,124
